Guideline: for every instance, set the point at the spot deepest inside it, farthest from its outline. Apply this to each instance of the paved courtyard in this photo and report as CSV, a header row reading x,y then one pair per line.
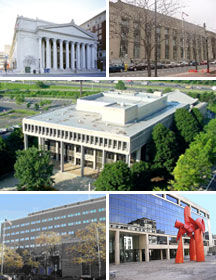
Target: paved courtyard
x,y
166,270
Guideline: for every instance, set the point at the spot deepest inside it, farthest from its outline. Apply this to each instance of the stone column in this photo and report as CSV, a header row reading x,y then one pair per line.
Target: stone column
x,y
40,54
67,55
146,248
117,247
57,150
25,141
161,254
61,54
72,56
47,53
95,56
82,161
78,56
138,155
62,157
88,57
83,57
92,56
54,54
103,158
94,162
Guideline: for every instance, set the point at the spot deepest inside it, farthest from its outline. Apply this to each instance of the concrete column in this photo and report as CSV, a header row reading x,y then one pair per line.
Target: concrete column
x,y
54,54
40,143
43,54
115,157
95,57
103,158
94,162
83,57
168,254
128,159
40,54
117,247
146,248
161,254
48,53
72,56
25,141
61,54
162,43
78,56
82,161
140,255
88,57
67,55
170,44
57,150
62,157
138,155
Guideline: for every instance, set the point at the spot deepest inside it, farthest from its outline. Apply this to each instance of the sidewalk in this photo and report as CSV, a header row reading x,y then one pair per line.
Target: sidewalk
x,y
200,73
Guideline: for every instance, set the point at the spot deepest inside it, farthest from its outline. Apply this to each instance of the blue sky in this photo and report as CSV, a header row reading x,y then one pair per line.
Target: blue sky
x,y
207,201
14,206
51,10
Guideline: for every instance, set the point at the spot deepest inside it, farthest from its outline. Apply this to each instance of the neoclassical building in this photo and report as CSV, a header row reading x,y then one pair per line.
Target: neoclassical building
x,y
59,47
177,40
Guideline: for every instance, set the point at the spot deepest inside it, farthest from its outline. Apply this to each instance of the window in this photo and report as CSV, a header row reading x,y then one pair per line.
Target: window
x,y
171,198
102,219
101,209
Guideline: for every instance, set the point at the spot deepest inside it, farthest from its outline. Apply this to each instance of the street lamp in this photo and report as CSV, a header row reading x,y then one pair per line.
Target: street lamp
x,y
3,241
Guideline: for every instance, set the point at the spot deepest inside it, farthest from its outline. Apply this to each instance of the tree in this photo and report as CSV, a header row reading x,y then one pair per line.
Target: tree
x,y
165,148
20,99
186,125
36,106
140,172
120,85
193,169
41,84
28,261
141,15
115,176
28,105
91,247
33,169
52,240
198,116
12,260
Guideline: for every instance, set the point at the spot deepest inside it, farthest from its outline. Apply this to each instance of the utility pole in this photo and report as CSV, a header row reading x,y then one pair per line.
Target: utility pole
x,y
206,40
156,41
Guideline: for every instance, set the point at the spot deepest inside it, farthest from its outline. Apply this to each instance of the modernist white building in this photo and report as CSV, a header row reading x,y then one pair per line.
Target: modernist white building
x,y
58,47
104,127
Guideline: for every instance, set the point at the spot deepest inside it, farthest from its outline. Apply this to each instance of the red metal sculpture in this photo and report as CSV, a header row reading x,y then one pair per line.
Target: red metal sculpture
x,y
194,229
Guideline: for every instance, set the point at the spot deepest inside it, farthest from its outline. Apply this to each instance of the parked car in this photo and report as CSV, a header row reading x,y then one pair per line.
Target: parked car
x,y
213,62
132,67
141,66
160,66
116,68
204,62
184,63
172,64
193,63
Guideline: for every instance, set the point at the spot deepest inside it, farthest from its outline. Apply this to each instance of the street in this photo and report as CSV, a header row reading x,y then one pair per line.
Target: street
x,y
71,75
169,72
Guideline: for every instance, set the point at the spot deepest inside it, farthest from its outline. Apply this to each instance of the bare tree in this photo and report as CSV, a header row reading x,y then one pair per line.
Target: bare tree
x,y
138,24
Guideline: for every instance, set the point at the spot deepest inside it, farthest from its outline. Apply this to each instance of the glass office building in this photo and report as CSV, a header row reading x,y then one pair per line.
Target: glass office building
x,y
142,226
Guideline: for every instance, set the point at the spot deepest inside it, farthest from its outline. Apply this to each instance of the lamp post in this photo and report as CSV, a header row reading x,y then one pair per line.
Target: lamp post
x,y
156,43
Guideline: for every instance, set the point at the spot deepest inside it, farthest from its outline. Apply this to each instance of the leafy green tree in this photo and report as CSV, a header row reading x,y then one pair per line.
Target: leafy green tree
x,y
149,90
120,85
33,169
198,116
20,99
165,148
186,125
41,84
194,168
36,106
140,172
114,177
28,105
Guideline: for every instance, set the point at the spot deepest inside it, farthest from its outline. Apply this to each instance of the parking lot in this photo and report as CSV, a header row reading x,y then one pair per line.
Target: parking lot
x,y
164,270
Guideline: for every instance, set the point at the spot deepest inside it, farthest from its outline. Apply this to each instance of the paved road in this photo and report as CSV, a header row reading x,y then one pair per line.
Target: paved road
x,y
169,72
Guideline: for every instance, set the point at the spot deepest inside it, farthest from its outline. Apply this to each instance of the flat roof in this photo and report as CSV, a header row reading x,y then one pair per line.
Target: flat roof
x,y
90,121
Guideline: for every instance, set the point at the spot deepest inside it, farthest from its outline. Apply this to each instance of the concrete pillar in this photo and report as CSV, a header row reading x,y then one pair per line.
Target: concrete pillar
x,y
78,56
161,254
48,55
146,248
62,157
128,160
103,158
117,247
115,157
72,56
61,54
83,57
25,141
54,54
82,161
94,162
168,254
138,155
67,55
162,43
43,55
88,57
39,143
40,54
92,57
57,150
140,255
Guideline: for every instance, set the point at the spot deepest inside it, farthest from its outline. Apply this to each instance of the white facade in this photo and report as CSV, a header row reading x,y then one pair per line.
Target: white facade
x,y
104,127
58,47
